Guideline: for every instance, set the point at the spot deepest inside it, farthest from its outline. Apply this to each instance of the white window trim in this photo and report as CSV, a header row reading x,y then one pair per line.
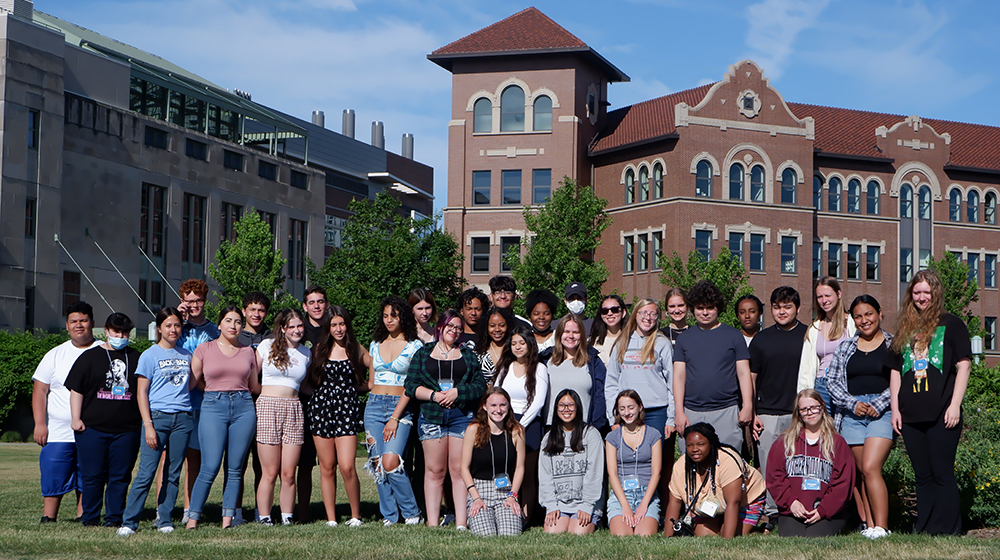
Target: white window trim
x,y
748,164
705,227
748,228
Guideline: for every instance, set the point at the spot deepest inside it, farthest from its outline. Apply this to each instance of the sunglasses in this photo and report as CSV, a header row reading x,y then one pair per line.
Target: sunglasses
x,y
611,310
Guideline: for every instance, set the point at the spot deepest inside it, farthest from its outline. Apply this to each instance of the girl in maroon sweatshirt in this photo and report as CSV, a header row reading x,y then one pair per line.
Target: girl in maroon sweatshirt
x,y
810,472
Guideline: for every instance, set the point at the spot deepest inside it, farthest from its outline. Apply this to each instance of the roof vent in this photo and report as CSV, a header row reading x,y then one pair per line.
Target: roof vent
x,y
24,9
378,134
408,145
347,127
319,119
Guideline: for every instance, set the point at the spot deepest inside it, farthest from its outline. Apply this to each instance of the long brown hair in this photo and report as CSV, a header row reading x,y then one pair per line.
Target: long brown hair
x,y
530,361
912,323
278,356
648,353
559,353
321,352
838,318
482,419
826,427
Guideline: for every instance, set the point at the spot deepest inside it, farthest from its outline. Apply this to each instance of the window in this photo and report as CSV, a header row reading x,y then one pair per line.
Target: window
x,y
788,182
954,206
482,115
270,219
924,202
990,210
833,204
152,219
990,341
629,253
506,245
657,249
193,236
736,246
297,236
874,192
267,170
512,110
703,179
643,251
973,262
972,207
905,265
71,288
833,260
736,182
757,184
30,216
854,196
34,122
480,254
990,271
510,186
232,160
196,149
156,138
643,183
703,243
817,270
299,180
817,192
229,216
543,114
541,185
872,263
629,186
658,181
481,187
788,255
854,262
925,259
757,252
906,201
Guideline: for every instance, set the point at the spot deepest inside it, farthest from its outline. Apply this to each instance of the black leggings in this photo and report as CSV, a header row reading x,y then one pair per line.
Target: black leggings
x,y
932,448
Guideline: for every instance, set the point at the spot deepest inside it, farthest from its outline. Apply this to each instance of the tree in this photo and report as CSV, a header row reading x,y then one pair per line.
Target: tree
x,y
723,270
386,253
959,292
563,234
249,263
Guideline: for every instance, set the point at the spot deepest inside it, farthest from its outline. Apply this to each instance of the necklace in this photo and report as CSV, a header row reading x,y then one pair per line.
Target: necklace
x,y
631,432
444,353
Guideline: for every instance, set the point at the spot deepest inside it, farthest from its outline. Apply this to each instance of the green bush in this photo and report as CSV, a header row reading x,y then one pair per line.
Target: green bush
x,y
10,436
20,353
984,384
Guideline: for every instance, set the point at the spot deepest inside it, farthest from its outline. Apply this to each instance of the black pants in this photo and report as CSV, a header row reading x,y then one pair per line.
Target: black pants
x,y
789,526
932,448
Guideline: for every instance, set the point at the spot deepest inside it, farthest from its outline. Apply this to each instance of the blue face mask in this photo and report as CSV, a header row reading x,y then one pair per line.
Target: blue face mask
x,y
117,343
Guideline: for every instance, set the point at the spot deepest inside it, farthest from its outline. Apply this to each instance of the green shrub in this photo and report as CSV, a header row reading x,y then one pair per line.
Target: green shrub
x,y
977,464
984,384
20,353
10,436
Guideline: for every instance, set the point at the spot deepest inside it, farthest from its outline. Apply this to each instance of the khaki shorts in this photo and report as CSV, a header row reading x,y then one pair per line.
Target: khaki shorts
x,y
279,421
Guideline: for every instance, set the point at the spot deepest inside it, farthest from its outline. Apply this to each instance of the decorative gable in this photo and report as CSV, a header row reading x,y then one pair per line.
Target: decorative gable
x,y
911,135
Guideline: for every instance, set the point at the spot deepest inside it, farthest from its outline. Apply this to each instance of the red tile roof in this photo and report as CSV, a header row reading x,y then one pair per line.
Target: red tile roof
x,y
644,121
527,30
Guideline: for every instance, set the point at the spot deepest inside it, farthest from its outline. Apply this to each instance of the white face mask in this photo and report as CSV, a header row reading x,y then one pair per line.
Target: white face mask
x,y
576,307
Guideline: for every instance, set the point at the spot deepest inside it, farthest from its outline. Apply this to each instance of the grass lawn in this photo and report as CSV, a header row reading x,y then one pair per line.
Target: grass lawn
x,y
22,537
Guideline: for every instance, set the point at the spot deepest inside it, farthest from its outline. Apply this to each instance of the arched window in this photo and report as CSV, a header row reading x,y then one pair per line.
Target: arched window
x,y
834,203
972,207
854,196
703,179
954,206
629,186
906,201
543,113
817,192
990,212
873,197
757,183
924,201
658,180
482,115
736,182
788,181
643,183
512,110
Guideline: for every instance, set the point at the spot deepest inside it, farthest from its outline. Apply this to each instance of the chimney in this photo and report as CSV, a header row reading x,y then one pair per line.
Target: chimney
x,y
408,145
319,119
378,134
347,127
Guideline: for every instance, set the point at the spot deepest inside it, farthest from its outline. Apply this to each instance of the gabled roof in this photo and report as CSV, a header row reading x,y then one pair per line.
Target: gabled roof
x,y
527,32
644,122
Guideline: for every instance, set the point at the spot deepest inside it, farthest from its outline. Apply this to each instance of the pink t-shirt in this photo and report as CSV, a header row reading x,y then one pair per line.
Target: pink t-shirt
x,y
221,372
825,350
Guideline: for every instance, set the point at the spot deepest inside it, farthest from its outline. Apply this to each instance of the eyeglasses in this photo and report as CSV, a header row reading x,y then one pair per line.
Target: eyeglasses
x,y
194,301
567,407
648,314
810,410
503,293
611,310
451,327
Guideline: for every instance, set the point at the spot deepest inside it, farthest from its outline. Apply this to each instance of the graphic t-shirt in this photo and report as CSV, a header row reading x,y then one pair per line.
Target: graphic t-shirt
x,y
168,371
52,371
106,379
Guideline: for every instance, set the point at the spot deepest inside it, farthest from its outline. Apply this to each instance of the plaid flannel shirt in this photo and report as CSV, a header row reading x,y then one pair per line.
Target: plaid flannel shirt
x,y
470,388
836,381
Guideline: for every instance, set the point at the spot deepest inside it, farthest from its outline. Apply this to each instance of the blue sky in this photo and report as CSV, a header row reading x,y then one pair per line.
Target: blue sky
x,y
936,59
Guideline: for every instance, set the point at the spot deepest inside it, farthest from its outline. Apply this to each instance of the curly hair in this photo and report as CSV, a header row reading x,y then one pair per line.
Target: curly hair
x,y
401,309
705,292
912,323
472,293
194,285
482,419
278,356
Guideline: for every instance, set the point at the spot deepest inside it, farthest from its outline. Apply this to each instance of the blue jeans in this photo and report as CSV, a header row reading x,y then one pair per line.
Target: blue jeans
x,y
820,387
105,462
173,430
228,423
394,490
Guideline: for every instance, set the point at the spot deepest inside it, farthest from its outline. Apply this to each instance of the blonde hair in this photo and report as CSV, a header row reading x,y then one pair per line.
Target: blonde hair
x,y
826,428
912,323
559,353
648,352
838,318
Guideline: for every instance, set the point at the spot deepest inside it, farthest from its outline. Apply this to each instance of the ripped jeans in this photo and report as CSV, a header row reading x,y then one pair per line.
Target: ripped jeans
x,y
395,493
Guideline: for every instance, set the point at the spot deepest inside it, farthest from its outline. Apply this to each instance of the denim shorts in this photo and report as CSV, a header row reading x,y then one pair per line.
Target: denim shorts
x,y
855,429
454,425
634,497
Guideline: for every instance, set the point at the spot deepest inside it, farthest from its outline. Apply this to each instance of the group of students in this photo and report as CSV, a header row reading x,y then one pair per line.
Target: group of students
x,y
532,419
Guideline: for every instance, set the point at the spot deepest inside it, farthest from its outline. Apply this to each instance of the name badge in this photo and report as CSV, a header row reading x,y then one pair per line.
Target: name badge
x,y
810,484
118,390
920,364
709,508
446,385
501,481
630,483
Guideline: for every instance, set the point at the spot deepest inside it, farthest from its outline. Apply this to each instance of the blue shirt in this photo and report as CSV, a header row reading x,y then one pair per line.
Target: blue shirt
x,y
191,336
168,372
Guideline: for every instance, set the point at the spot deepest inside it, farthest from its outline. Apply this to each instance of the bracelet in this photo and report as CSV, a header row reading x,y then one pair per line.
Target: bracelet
x,y
512,494
147,422
480,498
432,395
470,487
394,418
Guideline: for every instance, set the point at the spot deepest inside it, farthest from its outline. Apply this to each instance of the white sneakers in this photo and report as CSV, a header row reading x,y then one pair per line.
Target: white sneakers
x,y
414,520
125,532
166,529
353,522
875,533
331,523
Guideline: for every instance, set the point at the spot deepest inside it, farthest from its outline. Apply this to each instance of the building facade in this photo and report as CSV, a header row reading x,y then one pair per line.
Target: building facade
x,y
796,191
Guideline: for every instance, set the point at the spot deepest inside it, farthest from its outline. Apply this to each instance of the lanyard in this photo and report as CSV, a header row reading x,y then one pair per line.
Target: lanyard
x,y
635,469
493,459
110,361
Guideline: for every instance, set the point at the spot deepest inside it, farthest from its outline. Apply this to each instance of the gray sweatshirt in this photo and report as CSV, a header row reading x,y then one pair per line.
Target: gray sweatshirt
x,y
653,381
572,481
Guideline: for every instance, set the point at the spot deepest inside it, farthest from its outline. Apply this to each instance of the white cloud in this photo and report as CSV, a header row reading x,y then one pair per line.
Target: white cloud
x,y
773,27
303,5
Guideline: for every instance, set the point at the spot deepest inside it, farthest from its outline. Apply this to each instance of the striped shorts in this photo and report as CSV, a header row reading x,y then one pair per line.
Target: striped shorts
x,y
279,421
